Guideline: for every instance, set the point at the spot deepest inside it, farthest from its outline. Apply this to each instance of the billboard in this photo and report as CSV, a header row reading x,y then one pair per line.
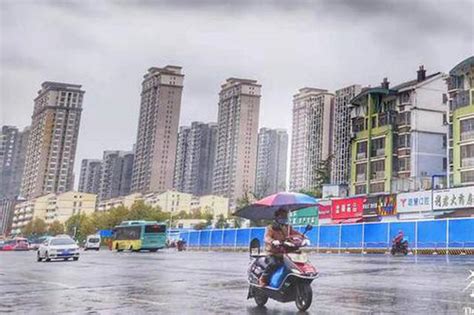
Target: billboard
x,y
381,205
414,201
324,207
347,208
453,198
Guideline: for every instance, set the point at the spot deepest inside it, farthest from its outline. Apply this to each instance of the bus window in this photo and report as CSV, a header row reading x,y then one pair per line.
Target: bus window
x,y
156,228
128,233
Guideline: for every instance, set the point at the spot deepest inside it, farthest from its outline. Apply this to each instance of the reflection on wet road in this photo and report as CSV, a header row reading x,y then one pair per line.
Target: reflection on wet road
x,y
173,282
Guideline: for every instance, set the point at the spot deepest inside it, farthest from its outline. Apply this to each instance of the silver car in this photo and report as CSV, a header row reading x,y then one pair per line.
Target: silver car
x,y
59,247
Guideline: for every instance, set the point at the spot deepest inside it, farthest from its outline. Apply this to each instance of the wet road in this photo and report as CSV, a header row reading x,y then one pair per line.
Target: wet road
x,y
171,282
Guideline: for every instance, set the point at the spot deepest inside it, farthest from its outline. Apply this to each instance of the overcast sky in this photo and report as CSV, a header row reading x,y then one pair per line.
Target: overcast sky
x,y
107,46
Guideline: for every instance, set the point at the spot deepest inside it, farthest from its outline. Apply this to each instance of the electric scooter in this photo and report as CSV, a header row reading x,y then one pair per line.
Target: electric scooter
x,y
291,281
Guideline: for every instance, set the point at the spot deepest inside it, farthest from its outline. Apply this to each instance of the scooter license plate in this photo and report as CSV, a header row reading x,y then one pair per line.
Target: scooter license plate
x,y
299,258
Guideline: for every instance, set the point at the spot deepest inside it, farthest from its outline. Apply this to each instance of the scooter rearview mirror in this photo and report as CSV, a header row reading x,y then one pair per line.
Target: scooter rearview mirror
x,y
309,227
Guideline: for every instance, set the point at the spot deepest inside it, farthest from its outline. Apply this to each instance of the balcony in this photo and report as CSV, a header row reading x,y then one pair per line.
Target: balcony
x,y
404,119
461,99
387,118
358,124
467,135
453,84
361,177
378,175
378,152
467,162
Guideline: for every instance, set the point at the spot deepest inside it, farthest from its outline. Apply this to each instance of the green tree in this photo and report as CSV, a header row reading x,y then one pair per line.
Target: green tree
x,y
79,226
34,228
221,222
56,228
201,226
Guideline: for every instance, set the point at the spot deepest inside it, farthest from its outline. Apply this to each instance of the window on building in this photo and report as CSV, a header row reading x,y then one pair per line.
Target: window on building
x,y
361,150
378,169
467,129
378,147
467,155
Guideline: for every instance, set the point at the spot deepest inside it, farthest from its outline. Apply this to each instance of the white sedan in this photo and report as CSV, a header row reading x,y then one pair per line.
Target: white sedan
x,y
62,247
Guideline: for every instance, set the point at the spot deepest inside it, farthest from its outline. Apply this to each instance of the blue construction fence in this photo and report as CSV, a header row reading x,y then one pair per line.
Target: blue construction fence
x,y
425,234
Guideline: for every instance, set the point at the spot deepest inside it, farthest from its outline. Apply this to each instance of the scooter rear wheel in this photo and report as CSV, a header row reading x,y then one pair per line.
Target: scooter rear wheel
x,y
260,298
304,296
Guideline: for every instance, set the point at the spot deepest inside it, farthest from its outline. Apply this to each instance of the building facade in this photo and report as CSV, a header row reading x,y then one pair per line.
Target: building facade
x,y
89,180
52,142
237,132
116,174
13,144
170,201
52,207
311,140
122,201
195,158
182,152
6,215
461,123
272,155
215,205
399,136
341,144
155,150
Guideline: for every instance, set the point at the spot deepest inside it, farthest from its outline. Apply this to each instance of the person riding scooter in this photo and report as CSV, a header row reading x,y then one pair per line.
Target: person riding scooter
x,y
275,235
399,244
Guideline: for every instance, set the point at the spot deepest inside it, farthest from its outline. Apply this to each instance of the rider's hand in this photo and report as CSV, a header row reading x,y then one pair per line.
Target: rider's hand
x,y
306,242
276,243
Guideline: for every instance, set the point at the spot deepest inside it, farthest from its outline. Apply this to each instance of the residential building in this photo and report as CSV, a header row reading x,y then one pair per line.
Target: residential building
x,y
170,201
237,132
116,174
52,207
155,153
272,153
311,140
52,142
6,215
461,123
215,205
195,158
89,180
182,152
399,136
341,144
122,201
12,160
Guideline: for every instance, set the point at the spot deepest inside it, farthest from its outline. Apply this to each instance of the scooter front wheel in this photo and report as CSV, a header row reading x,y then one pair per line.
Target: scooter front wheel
x,y
304,296
260,298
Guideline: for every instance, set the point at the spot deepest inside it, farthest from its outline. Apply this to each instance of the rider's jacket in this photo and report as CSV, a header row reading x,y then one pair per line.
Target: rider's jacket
x,y
277,233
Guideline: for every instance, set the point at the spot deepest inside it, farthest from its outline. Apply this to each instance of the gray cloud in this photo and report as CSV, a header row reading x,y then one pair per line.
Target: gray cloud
x,y
107,46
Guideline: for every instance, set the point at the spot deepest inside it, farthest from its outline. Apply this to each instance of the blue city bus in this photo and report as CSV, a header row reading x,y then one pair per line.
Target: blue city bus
x,y
139,235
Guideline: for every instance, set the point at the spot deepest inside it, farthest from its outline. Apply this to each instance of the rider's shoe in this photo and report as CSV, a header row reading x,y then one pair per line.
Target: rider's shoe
x,y
262,281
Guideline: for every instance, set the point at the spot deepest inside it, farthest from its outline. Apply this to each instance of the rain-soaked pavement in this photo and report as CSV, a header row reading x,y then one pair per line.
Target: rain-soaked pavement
x,y
170,282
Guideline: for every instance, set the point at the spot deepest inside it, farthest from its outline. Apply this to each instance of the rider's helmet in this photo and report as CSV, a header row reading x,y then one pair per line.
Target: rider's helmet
x,y
281,217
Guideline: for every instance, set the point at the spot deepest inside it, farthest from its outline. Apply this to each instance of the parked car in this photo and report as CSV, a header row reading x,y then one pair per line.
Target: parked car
x,y
92,242
35,243
58,247
16,244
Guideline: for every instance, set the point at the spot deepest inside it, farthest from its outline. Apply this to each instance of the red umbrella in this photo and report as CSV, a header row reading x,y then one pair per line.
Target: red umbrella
x,y
265,208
